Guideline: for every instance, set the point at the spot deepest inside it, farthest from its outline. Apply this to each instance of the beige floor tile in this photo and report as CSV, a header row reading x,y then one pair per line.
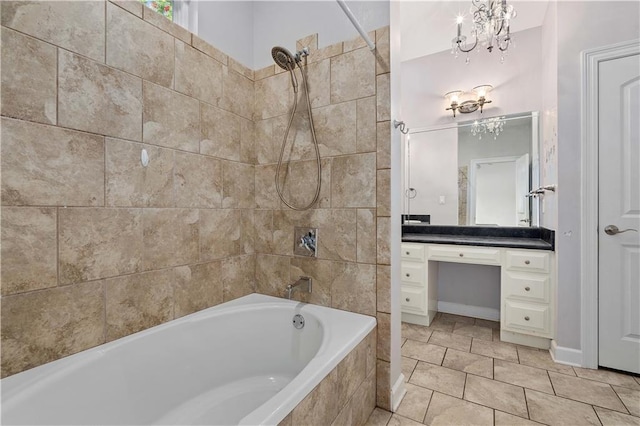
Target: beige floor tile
x,y
439,379
613,418
501,350
456,318
403,341
588,391
423,351
553,410
397,420
522,375
496,335
495,325
474,331
637,379
541,359
415,402
631,399
438,325
415,332
498,395
450,340
378,417
506,419
607,376
469,363
408,365
445,410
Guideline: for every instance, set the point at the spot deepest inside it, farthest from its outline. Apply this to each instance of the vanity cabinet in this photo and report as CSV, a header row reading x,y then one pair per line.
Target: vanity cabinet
x,y
419,297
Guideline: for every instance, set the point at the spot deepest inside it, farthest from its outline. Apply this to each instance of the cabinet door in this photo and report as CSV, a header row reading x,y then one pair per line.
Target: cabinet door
x,y
413,300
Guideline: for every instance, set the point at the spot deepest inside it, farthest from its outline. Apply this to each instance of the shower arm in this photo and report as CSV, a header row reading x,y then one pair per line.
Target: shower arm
x,y
356,24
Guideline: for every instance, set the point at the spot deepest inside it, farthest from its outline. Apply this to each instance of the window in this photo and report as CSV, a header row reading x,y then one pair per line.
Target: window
x,y
163,7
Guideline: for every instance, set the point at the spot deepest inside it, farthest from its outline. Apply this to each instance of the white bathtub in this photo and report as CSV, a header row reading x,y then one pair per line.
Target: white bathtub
x,y
242,362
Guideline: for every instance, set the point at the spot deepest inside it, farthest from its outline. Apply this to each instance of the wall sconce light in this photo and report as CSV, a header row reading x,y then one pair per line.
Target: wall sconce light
x,y
471,105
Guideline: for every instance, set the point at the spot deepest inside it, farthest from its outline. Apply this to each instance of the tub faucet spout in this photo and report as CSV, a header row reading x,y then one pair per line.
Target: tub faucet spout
x,y
302,281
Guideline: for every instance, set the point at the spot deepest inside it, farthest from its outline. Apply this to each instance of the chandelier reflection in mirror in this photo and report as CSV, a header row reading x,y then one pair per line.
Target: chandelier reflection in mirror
x,y
492,126
491,20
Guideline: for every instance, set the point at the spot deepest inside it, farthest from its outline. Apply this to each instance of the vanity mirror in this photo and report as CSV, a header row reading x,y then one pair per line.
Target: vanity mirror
x,y
475,172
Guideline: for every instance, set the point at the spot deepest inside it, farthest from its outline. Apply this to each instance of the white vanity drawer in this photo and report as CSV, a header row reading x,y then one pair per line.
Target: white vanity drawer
x,y
413,299
529,260
464,254
533,287
414,252
413,272
527,317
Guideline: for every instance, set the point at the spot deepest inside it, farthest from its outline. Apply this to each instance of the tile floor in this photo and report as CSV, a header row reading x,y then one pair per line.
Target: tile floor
x,y
458,372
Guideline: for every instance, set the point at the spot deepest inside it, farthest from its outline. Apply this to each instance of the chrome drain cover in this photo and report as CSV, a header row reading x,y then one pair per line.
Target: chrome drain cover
x,y
298,321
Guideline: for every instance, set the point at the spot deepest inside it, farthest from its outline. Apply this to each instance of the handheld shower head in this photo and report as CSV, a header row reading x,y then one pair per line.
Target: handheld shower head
x,y
285,60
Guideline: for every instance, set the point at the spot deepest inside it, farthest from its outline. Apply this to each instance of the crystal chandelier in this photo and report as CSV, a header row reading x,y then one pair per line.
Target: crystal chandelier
x,y
491,21
492,126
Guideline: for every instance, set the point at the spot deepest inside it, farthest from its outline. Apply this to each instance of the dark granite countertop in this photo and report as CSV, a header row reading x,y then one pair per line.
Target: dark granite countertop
x,y
488,236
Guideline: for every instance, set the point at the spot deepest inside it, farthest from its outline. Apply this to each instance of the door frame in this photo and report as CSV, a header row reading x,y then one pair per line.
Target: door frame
x,y
590,61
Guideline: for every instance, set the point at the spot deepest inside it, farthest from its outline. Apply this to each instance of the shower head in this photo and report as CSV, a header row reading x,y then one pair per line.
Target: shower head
x,y
283,58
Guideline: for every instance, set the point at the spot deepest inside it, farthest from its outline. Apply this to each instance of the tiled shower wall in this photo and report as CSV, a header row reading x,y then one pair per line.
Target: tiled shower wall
x,y
95,246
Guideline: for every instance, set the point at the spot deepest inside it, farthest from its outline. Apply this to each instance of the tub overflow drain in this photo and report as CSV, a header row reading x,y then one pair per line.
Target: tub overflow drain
x,y
298,321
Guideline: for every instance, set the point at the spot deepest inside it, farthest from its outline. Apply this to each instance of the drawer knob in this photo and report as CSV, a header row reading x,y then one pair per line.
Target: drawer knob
x,y
526,262
407,299
461,255
407,253
526,318
527,288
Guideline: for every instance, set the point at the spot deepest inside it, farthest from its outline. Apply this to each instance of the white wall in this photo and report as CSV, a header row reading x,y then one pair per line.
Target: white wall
x,y
473,285
581,26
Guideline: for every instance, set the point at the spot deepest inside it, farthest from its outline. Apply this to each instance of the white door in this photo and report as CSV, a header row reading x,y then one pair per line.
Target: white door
x,y
522,189
619,210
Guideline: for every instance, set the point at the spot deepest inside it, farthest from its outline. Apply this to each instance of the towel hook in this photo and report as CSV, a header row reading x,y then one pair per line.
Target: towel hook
x,y
403,128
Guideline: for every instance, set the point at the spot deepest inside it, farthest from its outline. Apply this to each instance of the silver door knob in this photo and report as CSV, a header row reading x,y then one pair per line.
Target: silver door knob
x,y
613,230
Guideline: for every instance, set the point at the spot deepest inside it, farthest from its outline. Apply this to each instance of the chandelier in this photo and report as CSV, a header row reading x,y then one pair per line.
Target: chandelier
x,y
492,126
491,21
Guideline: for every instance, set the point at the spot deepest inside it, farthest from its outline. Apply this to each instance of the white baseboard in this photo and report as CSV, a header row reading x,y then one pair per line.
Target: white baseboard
x,y
567,356
469,311
397,393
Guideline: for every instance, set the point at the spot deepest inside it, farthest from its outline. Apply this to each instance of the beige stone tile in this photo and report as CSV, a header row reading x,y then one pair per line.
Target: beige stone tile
x,y
97,98
613,418
553,410
310,41
458,319
415,402
196,287
607,376
129,184
237,93
477,332
439,379
220,133
383,288
450,340
353,75
165,24
170,237
170,119
541,359
383,52
248,231
469,363
132,6
371,348
378,417
384,240
397,420
241,69
364,400
351,372
318,74
366,236
238,276
445,410
521,375
408,365
137,302
336,128
320,406
383,388
28,78
494,325
272,274
247,141
500,350
338,238
197,75
198,181
78,26
438,325
383,138
353,287
238,185
423,351
45,165
505,419
320,272
263,236
267,143
299,180
383,192
43,326
266,195
274,96
284,222
383,97
287,421
98,243
220,234
416,332
29,248
205,47
498,395
630,398
265,72
137,47
366,124
358,42
384,336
